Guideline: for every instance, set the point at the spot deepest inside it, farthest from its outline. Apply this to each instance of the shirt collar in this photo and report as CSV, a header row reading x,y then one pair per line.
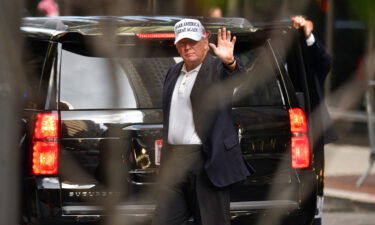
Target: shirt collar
x,y
196,69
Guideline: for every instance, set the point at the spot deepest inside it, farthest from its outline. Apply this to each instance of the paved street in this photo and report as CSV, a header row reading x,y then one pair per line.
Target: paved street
x,y
344,165
346,160
338,211
345,202
349,218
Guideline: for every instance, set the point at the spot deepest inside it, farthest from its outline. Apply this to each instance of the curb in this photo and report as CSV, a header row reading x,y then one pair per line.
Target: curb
x,y
350,195
348,199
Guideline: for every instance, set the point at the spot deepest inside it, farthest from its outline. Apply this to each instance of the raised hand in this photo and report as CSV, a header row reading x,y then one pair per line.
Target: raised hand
x,y
306,25
225,46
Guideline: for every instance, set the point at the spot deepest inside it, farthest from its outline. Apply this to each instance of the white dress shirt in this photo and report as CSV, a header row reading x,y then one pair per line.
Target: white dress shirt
x,y
310,40
181,123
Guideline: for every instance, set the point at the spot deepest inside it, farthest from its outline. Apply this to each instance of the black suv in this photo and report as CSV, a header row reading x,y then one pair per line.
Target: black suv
x,y
93,120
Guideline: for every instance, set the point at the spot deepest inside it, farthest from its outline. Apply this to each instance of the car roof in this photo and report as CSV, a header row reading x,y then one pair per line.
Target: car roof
x,y
56,27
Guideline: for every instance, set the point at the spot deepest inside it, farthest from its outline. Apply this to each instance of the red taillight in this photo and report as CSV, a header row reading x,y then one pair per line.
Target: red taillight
x,y
300,146
45,144
45,157
159,35
298,122
46,126
300,152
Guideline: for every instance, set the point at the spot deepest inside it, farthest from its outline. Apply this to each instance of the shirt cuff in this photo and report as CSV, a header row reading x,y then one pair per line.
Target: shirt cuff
x,y
311,40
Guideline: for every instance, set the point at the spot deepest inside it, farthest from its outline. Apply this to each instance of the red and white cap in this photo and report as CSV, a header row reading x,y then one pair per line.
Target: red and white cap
x,y
189,28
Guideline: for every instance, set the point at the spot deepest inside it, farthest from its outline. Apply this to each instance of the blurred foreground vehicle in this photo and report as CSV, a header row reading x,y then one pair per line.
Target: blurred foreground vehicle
x,y
93,120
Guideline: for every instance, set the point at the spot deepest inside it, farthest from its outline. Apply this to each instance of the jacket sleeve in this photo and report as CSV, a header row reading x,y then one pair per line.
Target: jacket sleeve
x,y
321,60
225,72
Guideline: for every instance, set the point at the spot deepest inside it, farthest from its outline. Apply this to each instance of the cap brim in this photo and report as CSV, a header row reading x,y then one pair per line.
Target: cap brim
x,y
188,35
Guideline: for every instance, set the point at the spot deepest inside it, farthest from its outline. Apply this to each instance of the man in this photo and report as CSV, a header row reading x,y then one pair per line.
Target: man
x,y
201,155
319,63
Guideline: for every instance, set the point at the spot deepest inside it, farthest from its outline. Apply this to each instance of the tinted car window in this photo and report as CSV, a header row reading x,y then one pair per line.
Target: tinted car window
x,y
129,83
89,82
259,85
35,56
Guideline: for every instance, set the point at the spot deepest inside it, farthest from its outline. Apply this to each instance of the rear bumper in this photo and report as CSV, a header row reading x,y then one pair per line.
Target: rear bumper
x,y
286,212
147,210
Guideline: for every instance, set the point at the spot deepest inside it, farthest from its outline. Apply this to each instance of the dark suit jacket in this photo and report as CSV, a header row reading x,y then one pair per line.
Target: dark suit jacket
x,y
318,67
211,104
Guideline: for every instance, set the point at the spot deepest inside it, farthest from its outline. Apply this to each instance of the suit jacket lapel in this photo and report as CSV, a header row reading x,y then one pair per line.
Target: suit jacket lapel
x,y
201,81
170,84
